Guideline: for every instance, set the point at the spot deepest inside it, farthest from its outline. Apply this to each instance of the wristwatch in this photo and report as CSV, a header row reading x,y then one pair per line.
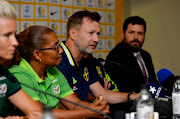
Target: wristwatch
x,y
128,97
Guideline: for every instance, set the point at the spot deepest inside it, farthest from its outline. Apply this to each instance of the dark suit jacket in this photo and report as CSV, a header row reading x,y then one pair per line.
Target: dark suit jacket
x,y
128,81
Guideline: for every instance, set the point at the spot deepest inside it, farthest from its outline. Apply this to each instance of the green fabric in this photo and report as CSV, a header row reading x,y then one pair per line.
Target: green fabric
x,y
54,83
7,89
112,82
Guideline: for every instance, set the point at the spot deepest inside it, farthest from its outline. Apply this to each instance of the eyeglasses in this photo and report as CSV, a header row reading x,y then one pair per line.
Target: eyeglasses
x,y
55,47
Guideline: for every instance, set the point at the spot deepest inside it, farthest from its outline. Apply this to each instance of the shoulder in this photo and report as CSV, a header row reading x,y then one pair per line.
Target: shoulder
x,y
8,82
118,48
145,53
2,67
17,69
64,62
20,72
118,52
4,71
55,72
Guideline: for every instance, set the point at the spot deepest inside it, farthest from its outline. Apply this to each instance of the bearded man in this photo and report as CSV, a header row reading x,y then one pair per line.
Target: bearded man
x,y
129,54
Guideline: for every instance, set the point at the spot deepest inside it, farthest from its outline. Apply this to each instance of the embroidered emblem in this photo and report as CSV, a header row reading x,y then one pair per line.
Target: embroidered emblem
x,y
86,74
56,89
74,80
99,71
74,88
3,88
54,80
2,78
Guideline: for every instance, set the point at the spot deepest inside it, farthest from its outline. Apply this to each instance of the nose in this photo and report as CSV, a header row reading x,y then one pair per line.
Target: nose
x,y
136,35
96,38
14,41
61,50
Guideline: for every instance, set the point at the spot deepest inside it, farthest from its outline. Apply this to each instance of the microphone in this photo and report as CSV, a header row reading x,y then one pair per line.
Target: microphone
x,y
156,90
167,80
13,79
162,102
103,60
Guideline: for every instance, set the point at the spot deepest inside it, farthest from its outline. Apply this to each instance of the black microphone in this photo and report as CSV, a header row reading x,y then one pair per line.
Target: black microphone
x,y
103,60
13,79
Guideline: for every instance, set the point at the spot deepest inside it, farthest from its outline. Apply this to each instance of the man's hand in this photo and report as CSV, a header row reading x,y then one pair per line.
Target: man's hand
x,y
101,105
35,115
103,102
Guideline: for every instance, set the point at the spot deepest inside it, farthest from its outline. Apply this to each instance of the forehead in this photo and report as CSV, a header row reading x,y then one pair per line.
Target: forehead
x,y
91,25
7,25
136,27
51,37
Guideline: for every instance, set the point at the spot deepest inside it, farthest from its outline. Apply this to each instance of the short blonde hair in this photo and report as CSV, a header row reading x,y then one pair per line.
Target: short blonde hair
x,y
7,10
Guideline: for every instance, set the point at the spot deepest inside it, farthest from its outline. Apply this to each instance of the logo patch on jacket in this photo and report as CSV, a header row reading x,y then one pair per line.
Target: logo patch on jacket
x,y
56,89
86,74
3,89
99,71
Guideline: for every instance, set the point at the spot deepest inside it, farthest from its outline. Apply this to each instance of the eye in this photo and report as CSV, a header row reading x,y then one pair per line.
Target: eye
x,y
98,33
141,33
131,32
90,33
8,34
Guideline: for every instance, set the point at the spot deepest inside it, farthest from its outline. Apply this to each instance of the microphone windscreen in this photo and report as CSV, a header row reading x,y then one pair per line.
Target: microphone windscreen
x,y
163,74
167,80
156,90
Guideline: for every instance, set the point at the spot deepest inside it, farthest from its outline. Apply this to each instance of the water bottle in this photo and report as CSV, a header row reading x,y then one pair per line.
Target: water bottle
x,y
176,99
145,105
47,113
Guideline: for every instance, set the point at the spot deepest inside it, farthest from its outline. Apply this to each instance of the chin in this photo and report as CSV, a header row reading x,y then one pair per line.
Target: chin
x,y
7,57
90,52
58,63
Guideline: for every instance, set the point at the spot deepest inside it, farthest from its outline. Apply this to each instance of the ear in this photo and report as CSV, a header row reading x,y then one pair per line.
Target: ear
x,y
37,55
73,33
122,34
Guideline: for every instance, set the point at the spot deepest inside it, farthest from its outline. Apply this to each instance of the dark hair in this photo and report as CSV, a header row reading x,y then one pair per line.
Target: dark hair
x,y
77,18
134,20
34,37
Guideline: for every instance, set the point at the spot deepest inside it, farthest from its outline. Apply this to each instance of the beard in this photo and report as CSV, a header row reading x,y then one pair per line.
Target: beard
x,y
82,48
133,47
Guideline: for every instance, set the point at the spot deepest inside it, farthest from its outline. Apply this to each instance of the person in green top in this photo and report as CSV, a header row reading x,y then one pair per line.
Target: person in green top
x,y
11,93
39,52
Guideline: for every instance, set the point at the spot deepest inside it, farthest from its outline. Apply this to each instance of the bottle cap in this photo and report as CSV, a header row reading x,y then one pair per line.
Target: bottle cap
x,y
46,108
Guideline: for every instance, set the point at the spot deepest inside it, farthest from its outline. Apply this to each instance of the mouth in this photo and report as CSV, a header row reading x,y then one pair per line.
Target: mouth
x,y
93,46
11,51
135,42
59,58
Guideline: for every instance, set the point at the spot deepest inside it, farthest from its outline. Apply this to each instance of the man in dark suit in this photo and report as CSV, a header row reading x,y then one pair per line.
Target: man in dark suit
x,y
125,53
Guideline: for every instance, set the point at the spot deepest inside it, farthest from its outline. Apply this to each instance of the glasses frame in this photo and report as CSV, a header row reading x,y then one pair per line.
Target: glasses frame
x,y
55,47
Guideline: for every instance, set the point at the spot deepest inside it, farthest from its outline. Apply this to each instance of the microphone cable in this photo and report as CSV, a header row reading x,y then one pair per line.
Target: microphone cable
x,y
97,111
103,60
